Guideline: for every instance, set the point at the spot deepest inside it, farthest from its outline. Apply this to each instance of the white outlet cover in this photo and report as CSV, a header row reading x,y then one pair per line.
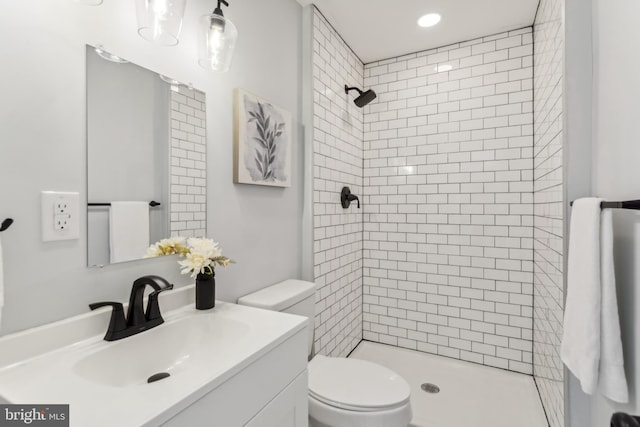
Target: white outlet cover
x,y
49,199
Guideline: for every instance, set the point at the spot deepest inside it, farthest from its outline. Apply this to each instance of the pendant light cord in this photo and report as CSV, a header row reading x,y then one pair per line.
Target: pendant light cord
x,y
218,9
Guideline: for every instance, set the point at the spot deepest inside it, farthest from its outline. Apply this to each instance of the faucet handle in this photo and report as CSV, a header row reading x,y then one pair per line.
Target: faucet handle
x,y
346,197
153,308
136,315
117,323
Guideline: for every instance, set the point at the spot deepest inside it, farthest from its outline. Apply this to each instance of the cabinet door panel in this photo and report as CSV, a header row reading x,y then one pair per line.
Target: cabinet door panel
x,y
290,408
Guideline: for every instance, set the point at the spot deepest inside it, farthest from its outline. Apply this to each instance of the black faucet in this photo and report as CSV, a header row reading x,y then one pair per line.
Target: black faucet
x,y
137,320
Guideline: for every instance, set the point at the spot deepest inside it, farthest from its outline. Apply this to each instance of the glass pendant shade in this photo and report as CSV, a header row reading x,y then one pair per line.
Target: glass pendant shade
x,y
218,38
160,21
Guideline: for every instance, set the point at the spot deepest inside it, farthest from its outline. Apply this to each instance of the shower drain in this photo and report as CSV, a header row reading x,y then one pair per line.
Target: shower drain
x,y
430,388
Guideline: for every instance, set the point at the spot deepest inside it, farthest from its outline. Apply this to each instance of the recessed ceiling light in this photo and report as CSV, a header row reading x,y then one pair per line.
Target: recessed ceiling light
x,y
429,20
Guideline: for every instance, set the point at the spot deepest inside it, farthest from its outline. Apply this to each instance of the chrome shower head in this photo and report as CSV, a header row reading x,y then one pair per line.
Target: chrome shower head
x,y
364,98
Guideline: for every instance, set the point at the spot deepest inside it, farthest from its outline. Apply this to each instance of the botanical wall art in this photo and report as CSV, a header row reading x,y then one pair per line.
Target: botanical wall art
x,y
262,149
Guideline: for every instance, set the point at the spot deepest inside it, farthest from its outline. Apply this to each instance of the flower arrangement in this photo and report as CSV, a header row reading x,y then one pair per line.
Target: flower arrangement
x,y
201,255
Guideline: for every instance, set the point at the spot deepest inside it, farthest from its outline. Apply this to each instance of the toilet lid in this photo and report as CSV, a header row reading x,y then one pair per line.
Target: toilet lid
x,y
355,384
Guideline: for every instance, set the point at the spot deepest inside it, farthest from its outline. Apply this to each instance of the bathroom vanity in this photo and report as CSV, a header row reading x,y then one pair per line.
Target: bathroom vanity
x,y
228,366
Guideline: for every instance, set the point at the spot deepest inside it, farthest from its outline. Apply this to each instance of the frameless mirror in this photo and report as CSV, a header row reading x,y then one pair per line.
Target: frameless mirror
x,y
146,168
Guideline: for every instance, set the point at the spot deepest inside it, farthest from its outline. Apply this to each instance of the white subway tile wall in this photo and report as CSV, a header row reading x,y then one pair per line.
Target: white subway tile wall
x,y
337,162
549,207
448,181
188,205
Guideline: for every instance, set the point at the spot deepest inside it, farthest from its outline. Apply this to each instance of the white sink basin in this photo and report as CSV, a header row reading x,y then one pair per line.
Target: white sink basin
x,y
173,347
105,383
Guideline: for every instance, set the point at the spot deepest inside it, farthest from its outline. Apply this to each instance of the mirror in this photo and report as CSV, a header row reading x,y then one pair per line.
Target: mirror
x,y
146,166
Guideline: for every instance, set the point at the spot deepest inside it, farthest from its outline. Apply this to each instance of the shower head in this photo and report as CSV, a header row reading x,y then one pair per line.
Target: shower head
x,y
364,98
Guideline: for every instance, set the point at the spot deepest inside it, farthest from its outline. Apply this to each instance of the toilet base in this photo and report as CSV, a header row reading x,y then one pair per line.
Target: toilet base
x,y
323,415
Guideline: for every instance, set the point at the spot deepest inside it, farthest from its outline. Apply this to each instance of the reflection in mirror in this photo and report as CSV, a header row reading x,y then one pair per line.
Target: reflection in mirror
x,y
145,143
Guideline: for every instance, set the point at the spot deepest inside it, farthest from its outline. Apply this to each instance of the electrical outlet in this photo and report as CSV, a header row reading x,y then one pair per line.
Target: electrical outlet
x,y
60,219
61,206
61,222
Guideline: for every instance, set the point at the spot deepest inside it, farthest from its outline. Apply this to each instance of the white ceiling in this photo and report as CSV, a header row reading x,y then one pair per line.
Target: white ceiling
x,y
381,29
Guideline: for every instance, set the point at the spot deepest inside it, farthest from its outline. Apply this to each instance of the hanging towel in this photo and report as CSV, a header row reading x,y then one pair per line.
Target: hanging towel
x,y
591,345
613,382
1,283
128,230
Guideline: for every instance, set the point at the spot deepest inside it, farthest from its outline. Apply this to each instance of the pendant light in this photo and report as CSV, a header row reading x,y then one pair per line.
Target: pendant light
x,y
160,21
218,38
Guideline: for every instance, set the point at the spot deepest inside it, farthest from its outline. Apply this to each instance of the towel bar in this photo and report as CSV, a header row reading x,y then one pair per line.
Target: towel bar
x,y
629,204
152,203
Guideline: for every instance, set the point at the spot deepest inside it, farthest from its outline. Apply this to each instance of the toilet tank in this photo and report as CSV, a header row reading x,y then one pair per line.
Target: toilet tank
x,y
291,296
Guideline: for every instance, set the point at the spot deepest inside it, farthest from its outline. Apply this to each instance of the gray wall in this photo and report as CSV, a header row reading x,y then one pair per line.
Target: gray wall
x,y
615,175
577,154
43,132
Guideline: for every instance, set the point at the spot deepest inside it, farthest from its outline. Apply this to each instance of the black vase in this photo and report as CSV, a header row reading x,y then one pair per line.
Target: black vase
x,y
205,291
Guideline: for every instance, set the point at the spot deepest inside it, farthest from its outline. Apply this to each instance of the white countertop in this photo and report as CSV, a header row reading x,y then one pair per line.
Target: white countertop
x,y
34,370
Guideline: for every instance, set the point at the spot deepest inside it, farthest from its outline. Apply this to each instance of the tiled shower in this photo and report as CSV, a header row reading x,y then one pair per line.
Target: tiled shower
x,y
457,222
337,162
548,32
448,254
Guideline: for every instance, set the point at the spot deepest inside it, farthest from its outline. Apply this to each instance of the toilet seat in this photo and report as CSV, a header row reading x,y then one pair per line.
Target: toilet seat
x,y
356,385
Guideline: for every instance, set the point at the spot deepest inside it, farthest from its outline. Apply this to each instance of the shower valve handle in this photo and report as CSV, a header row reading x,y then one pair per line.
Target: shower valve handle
x,y
346,198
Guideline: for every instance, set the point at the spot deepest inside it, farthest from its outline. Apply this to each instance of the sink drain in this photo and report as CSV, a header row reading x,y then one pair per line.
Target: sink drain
x,y
430,388
157,377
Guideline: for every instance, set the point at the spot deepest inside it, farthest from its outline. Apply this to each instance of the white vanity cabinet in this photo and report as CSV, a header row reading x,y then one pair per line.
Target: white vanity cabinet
x,y
230,366
290,408
270,392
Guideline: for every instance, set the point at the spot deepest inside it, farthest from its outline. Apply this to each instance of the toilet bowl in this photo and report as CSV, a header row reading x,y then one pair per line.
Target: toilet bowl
x,y
342,392
356,393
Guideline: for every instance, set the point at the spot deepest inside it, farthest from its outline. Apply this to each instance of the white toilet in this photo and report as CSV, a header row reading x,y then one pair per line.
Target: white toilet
x,y
342,392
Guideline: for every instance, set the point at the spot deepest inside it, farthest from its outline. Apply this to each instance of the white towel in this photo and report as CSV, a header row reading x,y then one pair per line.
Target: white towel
x,y
613,382
128,230
591,345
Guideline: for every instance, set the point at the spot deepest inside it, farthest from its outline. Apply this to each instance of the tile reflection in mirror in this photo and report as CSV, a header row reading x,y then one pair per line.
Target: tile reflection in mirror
x,y
146,140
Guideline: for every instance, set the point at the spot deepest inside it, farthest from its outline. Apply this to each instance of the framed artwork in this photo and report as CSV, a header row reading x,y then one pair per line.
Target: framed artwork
x,y
262,142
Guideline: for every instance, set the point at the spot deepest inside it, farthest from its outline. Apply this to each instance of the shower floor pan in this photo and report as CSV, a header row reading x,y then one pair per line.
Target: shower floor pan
x,y
469,394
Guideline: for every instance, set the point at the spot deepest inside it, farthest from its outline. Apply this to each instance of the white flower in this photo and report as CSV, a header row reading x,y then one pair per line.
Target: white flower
x,y
202,254
173,245
205,247
153,251
174,241
195,263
